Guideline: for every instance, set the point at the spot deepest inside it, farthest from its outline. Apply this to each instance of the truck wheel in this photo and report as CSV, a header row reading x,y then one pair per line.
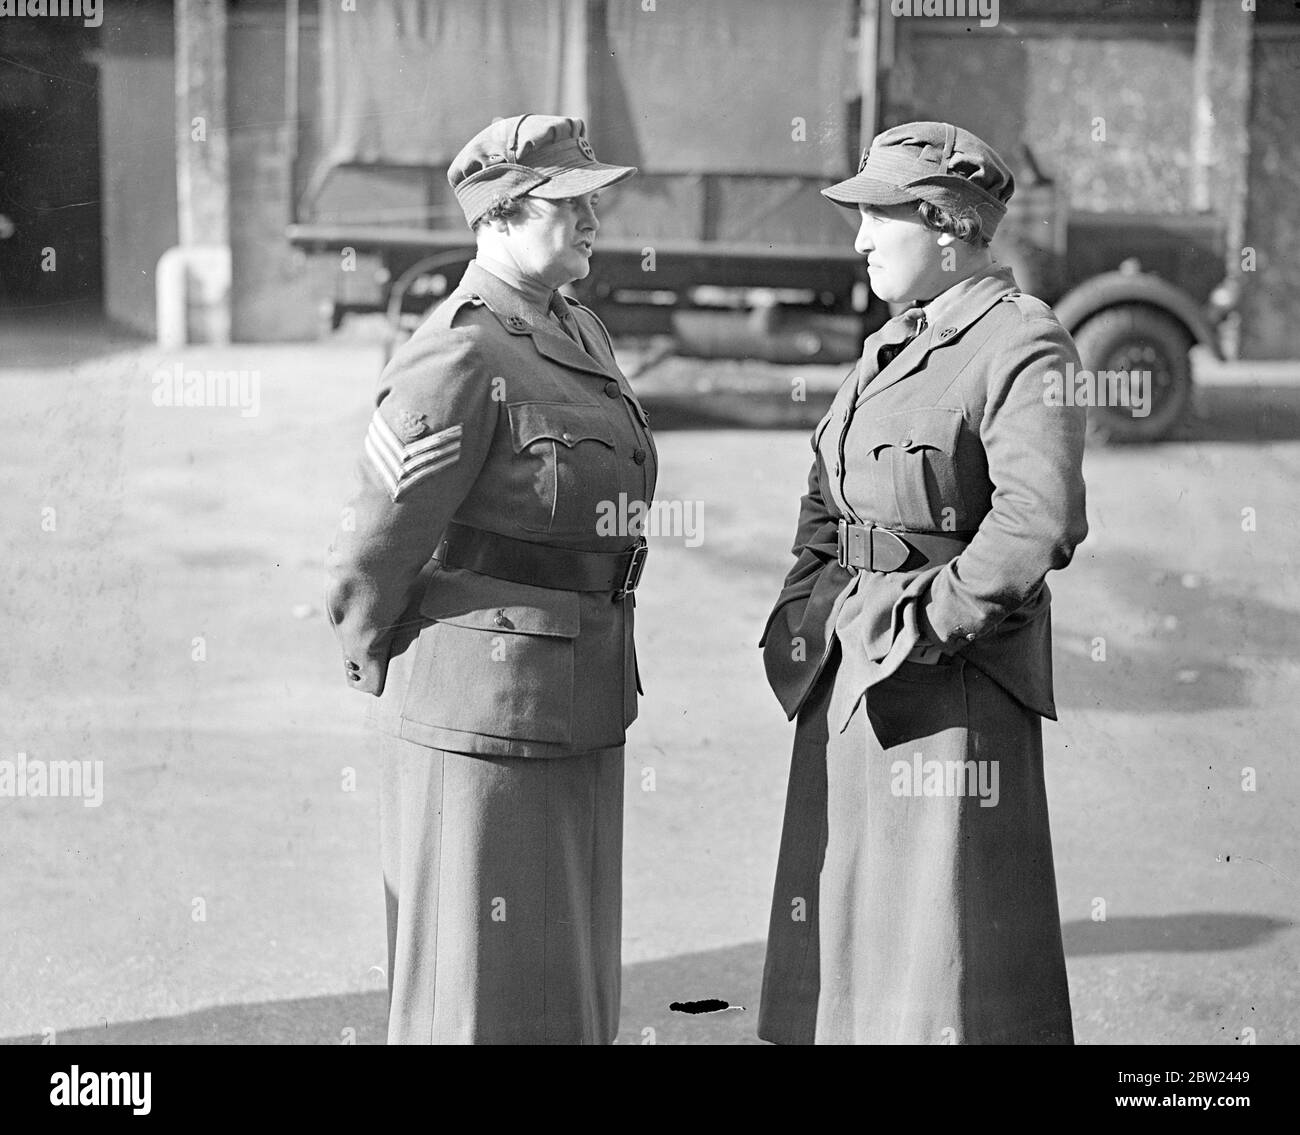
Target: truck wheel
x,y
1136,337
420,278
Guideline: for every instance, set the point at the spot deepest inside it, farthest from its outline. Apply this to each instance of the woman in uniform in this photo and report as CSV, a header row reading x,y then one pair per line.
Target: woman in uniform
x,y
479,601
915,898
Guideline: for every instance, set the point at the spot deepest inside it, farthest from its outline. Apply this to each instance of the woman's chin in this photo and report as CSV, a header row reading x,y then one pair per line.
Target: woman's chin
x,y
882,290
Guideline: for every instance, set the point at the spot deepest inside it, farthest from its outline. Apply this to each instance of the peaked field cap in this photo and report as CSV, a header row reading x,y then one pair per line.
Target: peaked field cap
x,y
930,161
536,154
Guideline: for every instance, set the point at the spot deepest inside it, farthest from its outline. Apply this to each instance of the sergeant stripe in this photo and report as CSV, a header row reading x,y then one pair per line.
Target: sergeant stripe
x,y
412,456
433,442
380,465
401,466
383,435
414,478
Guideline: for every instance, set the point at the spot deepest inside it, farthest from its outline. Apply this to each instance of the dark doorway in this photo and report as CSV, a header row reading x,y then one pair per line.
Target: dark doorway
x,y
50,212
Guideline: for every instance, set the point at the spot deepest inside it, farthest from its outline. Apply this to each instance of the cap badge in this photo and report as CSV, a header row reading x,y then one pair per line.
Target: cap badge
x,y
410,425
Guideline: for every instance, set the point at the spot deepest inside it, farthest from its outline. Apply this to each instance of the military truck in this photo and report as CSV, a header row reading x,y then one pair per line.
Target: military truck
x,y
723,242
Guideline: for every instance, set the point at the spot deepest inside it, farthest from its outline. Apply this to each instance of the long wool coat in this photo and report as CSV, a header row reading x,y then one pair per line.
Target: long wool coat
x,y
954,437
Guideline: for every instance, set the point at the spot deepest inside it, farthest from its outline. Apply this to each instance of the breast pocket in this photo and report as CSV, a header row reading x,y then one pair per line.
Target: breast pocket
x,y
565,466
915,453
496,659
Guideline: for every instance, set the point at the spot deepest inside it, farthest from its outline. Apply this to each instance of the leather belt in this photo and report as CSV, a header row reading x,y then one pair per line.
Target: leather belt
x,y
869,547
541,565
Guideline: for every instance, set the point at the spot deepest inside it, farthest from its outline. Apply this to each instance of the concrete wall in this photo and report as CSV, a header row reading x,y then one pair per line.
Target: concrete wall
x,y
1088,107
1271,294
277,290
137,154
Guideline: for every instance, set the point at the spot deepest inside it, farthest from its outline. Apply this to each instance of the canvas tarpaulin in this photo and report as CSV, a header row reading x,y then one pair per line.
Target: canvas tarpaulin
x,y
723,86
409,82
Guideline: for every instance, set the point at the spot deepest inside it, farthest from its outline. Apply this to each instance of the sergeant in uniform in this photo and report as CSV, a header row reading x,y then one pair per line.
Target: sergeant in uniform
x,y
477,597
915,897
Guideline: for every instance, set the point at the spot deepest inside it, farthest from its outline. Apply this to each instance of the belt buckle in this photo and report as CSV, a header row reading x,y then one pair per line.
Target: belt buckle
x,y
635,567
844,535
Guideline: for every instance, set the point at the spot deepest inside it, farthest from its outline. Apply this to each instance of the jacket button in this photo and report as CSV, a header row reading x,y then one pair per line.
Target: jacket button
x,y
501,619
516,322
837,468
947,332
354,677
970,638
906,442
639,456
352,665
611,390
566,436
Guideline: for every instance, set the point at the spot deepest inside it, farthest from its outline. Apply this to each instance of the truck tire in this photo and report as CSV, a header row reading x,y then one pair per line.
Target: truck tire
x,y
402,322
1137,337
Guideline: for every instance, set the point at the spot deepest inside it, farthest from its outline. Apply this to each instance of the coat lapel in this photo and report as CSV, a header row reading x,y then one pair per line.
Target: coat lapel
x,y
944,325
904,363
520,318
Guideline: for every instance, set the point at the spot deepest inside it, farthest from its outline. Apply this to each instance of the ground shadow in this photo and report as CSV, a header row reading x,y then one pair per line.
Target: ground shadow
x,y
1261,411
61,335
732,974
1236,413
1194,932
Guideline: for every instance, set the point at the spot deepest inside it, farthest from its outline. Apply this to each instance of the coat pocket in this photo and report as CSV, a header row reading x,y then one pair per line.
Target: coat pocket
x,y
565,465
496,658
915,451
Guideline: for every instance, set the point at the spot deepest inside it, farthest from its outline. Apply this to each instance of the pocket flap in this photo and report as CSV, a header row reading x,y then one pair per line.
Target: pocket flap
x,y
565,422
466,599
935,427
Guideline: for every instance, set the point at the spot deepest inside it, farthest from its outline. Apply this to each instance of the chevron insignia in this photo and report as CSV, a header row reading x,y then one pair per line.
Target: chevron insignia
x,y
403,464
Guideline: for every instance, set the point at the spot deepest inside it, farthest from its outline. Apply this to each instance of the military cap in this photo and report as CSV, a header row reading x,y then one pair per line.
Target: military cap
x,y
930,161
535,154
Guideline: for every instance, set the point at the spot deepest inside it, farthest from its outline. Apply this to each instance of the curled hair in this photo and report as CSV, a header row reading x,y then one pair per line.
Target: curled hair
x,y
966,225
503,208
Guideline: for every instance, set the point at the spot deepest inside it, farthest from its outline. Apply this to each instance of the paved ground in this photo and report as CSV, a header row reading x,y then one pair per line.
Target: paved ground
x,y
228,782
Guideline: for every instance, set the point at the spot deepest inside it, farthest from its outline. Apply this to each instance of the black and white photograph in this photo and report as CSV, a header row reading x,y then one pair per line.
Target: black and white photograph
x,y
650,522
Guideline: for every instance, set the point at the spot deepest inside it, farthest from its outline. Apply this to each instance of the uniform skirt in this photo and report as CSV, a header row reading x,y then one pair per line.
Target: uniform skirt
x,y
503,878
915,898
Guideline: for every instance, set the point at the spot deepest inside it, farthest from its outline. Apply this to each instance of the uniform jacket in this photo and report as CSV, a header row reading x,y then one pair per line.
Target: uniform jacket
x,y
492,416
954,437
